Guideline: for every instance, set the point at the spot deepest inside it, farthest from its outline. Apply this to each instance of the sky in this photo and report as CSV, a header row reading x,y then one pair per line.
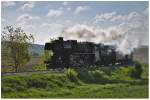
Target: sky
x,y
124,23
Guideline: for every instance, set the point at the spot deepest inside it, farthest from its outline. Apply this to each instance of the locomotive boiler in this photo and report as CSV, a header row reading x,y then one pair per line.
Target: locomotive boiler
x,y
71,53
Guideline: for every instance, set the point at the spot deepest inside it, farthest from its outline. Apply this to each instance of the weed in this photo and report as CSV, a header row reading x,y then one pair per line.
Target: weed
x,y
72,75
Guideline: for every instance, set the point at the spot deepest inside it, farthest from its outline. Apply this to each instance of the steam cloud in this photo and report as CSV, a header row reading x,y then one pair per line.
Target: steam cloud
x,y
131,33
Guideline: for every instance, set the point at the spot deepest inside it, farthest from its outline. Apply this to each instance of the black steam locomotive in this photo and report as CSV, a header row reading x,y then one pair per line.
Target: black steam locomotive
x,y
71,53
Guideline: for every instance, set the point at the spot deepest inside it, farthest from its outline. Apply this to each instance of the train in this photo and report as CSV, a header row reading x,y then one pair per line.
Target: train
x,y
71,53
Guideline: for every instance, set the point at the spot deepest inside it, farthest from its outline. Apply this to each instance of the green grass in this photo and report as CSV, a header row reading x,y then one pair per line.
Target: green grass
x,y
88,83
84,91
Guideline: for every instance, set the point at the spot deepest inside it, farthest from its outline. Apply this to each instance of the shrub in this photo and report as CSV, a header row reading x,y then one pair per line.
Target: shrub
x,y
122,73
39,67
98,76
37,82
145,71
137,70
13,83
7,89
72,75
84,76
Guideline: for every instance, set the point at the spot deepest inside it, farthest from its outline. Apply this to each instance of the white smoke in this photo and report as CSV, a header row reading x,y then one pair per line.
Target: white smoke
x,y
127,35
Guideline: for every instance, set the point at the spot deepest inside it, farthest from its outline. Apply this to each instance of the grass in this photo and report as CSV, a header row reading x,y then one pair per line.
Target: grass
x,y
84,91
83,83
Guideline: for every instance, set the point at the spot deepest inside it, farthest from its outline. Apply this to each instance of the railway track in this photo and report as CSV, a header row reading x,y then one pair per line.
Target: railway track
x,y
58,70
33,72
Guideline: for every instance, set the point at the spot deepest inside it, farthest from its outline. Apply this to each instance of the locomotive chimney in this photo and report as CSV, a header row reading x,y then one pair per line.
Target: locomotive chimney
x,y
61,38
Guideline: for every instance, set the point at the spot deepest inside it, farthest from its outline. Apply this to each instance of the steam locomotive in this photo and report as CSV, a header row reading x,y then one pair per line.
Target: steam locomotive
x,y
71,53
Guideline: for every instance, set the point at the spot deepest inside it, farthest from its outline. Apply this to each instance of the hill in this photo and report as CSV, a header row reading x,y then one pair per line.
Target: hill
x,y
36,49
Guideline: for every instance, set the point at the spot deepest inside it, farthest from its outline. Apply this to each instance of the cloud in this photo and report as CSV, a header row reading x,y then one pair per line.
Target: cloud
x,y
69,8
3,20
8,3
114,17
131,31
127,17
46,31
26,21
64,8
54,13
27,17
146,10
104,16
118,18
80,9
65,3
52,28
51,25
27,6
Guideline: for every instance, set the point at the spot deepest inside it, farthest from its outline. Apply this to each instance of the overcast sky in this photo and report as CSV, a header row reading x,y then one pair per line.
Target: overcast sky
x,y
52,19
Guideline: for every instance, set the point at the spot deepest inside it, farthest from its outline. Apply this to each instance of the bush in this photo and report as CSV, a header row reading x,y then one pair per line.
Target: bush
x,y
122,73
98,76
13,83
72,75
37,82
137,71
39,67
7,89
144,71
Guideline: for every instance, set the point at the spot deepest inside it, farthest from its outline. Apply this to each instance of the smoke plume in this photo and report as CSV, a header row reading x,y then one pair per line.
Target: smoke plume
x,y
130,33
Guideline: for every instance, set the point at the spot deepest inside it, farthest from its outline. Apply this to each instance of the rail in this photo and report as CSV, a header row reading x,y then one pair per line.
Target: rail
x,y
32,72
60,70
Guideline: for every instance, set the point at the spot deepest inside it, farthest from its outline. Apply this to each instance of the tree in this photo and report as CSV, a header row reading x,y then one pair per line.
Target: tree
x,y
137,71
17,43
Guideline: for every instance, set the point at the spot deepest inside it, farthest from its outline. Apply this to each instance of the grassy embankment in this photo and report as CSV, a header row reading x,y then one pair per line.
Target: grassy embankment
x,y
85,83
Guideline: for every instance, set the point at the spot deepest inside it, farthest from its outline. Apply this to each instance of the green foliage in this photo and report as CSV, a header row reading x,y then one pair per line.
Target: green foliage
x,y
42,65
40,81
122,73
93,75
98,76
72,75
118,84
47,55
8,69
13,82
63,85
145,71
37,82
39,67
7,89
85,91
42,59
137,71
17,43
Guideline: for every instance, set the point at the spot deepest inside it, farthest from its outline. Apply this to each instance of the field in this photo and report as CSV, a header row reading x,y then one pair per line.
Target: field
x,y
81,83
85,91
7,66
